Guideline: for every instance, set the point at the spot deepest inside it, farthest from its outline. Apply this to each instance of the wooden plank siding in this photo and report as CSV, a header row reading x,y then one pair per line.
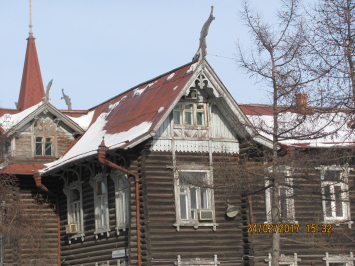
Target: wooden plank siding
x,y
310,247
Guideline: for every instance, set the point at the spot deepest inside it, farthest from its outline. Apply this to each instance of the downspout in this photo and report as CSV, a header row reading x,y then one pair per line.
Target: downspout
x,y
38,179
101,154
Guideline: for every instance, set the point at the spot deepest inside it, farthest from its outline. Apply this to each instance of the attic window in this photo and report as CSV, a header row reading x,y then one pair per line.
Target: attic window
x,y
190,114
44,146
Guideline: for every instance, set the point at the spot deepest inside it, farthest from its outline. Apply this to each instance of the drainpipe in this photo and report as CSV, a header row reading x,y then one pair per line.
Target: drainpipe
x,y
38,179
101,153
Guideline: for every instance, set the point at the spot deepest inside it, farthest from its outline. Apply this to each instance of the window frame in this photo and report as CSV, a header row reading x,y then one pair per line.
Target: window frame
x,y
196,261
290,203
80,225
343,184
194,222
347,260
101,212
285,260
123,193
43,144
183,111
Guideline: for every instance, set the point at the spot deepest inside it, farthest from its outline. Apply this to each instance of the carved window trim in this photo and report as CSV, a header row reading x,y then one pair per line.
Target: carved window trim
x,y
197,261
285,260
197,222
289,200
101,206
346,260
80,225
180,112
343,184
121,199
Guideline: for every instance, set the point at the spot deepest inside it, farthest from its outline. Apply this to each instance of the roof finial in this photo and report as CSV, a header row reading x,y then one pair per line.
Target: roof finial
x,y
31,33
67,100
202,52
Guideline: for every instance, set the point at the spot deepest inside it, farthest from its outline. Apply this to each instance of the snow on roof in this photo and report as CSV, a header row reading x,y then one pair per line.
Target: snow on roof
x,y
90,141
84,120
192,68
127,116
7,121
327,129
170,77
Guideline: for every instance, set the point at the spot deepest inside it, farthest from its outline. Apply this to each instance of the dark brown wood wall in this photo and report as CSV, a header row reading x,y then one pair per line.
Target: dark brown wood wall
x,y
163,242
91,250
45,251
310,247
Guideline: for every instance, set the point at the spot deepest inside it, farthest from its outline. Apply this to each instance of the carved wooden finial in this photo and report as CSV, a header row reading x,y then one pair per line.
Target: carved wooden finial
x,y
67,100
202,52
46,97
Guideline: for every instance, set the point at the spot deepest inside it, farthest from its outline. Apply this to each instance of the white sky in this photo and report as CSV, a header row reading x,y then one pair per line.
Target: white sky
x,y
98,49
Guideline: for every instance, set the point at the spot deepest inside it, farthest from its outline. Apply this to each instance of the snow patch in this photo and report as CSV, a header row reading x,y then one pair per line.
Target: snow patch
x,y
160,109
317,130
175,87
84,120
7,121
138,92
90,141
170,77
192,68
113,106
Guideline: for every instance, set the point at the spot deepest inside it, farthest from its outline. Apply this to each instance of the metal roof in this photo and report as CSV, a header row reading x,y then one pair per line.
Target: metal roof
x,y
130,115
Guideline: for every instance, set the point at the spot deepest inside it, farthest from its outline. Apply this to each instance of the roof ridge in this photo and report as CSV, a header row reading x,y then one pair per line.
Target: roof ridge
x,y
190,63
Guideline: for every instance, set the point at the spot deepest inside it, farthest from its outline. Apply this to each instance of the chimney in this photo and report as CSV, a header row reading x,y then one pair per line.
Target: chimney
x,y
301,102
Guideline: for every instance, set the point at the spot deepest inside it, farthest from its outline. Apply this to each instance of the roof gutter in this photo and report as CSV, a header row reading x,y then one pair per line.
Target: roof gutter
x,y
101,157
38,179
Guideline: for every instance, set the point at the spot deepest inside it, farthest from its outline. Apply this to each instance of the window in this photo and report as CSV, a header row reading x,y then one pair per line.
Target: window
x,y
102,223
286,201
335,194
121,199
197,261
285,260
339,260
194,199
190,114
75,227
44,146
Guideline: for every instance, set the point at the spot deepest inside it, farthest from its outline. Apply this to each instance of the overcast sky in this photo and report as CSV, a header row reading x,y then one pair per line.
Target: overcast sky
x,y
98,49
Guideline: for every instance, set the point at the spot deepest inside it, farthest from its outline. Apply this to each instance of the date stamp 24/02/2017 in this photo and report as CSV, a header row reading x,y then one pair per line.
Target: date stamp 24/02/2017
x,y
288,228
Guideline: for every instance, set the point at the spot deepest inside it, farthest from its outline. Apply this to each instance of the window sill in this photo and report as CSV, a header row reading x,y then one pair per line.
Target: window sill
x,y
283,222
101,232
121,227
338,222
45,158
190,126
75,237
195,224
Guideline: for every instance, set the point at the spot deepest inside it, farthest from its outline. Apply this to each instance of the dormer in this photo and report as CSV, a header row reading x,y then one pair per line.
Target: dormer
x,y
42,135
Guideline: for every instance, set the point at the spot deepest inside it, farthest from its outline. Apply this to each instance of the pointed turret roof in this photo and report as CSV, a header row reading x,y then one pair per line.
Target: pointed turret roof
x,y
32,90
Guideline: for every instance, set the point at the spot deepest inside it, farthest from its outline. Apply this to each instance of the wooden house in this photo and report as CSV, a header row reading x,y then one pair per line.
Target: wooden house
x,y
131,180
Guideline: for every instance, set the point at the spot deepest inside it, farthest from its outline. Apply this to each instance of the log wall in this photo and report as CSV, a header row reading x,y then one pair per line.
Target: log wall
x,y
164,242
310,247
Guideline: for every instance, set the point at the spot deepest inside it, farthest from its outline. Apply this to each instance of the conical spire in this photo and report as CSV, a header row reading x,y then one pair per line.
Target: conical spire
x,y
32,90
